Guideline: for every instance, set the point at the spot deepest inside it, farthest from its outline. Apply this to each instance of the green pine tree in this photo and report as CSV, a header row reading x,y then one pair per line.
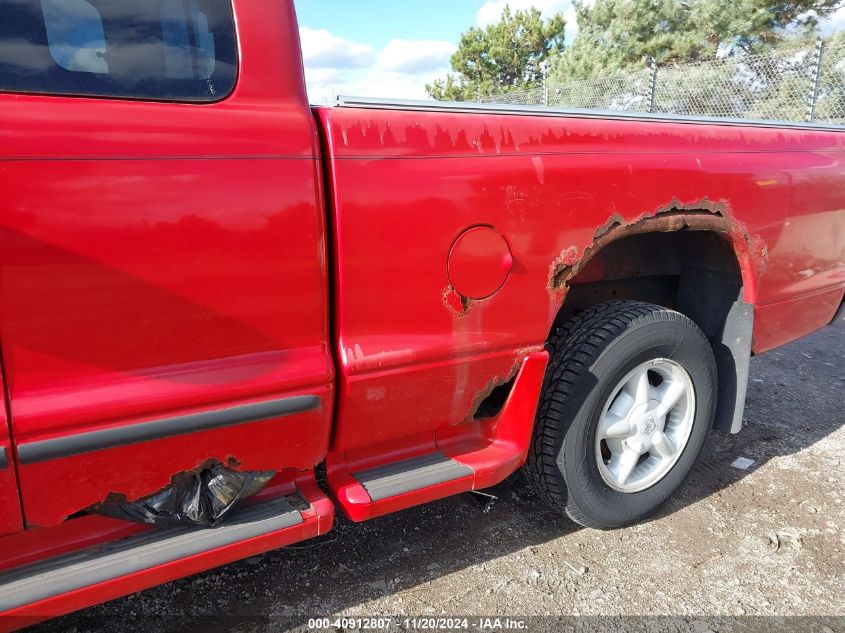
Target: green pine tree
x,y
507,55
621,34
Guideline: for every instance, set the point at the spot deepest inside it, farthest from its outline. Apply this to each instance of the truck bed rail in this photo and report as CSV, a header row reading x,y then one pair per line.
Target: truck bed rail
x,y
469,107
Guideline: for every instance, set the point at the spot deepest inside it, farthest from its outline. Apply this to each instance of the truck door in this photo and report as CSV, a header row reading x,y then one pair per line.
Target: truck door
x,y
163,295
10,510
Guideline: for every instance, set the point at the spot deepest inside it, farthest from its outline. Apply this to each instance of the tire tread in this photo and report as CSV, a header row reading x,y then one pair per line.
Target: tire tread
x,y
574,347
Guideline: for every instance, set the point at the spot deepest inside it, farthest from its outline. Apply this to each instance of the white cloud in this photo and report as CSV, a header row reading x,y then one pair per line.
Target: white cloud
x,y
415,56
334,65
834,22
322,49
372,82
324,75
89,59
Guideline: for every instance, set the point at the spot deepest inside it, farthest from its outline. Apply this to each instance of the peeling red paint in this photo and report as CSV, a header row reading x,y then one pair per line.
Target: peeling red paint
x,y
701,215
360,360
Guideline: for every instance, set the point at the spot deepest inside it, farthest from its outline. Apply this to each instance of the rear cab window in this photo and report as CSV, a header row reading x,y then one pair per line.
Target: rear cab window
x,y
164,50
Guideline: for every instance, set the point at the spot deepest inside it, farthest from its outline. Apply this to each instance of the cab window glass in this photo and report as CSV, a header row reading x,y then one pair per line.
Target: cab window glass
x,y
173,50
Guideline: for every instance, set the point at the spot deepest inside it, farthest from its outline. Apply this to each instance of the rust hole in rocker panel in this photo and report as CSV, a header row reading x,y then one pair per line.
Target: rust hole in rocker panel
x,y
489,402
493,402
203,496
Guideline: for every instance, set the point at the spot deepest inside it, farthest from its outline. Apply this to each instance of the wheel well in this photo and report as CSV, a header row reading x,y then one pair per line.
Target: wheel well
x,y
693,272
653,267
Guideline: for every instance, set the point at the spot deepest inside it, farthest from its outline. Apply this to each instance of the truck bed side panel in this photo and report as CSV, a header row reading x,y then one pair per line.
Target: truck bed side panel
x,y
406,184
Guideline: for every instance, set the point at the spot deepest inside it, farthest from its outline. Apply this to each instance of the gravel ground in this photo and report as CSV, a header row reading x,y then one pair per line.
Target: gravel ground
x,y
768,540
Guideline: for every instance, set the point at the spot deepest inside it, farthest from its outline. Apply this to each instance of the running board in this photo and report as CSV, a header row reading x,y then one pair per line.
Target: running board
x,y
458,458
411,474
72,581
371,492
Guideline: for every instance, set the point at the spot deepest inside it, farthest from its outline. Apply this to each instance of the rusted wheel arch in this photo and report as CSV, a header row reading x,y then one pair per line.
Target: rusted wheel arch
x,y
750,251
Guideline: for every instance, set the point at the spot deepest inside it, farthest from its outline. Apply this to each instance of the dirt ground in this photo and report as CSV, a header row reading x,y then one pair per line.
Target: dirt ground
x,y
768,540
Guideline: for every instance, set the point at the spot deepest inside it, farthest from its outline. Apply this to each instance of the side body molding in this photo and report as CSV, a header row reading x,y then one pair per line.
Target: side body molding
x,y
44,450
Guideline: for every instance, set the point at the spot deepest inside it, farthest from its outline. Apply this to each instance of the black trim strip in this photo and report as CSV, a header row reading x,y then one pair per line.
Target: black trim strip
x,y
4,461
45,450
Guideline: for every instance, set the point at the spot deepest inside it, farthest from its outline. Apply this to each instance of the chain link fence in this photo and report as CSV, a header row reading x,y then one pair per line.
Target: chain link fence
x,y
792,84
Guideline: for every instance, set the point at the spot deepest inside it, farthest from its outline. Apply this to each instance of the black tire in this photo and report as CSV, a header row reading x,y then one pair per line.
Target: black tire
x,y
589,356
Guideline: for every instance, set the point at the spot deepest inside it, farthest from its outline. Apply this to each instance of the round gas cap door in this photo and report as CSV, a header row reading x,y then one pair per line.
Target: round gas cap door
x,y
479,262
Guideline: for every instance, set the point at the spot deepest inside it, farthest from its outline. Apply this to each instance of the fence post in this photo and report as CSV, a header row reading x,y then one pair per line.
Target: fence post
x,y
817,71
652,95
544,66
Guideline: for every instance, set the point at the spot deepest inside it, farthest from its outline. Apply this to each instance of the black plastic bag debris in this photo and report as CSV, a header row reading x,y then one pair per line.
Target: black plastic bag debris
x,y
204,497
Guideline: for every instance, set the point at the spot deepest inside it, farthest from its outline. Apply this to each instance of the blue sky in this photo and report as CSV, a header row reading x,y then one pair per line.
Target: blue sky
x,y
376,22
392,48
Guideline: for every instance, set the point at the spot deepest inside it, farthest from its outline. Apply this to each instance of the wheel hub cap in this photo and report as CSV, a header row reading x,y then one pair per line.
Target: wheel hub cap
x,y
645,425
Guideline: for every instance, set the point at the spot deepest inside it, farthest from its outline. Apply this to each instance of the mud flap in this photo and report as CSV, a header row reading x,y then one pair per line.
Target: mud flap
x,y
714,300
733,359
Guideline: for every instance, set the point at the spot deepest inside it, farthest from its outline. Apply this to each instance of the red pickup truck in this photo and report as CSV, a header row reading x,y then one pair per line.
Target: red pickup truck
x,y
226,314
